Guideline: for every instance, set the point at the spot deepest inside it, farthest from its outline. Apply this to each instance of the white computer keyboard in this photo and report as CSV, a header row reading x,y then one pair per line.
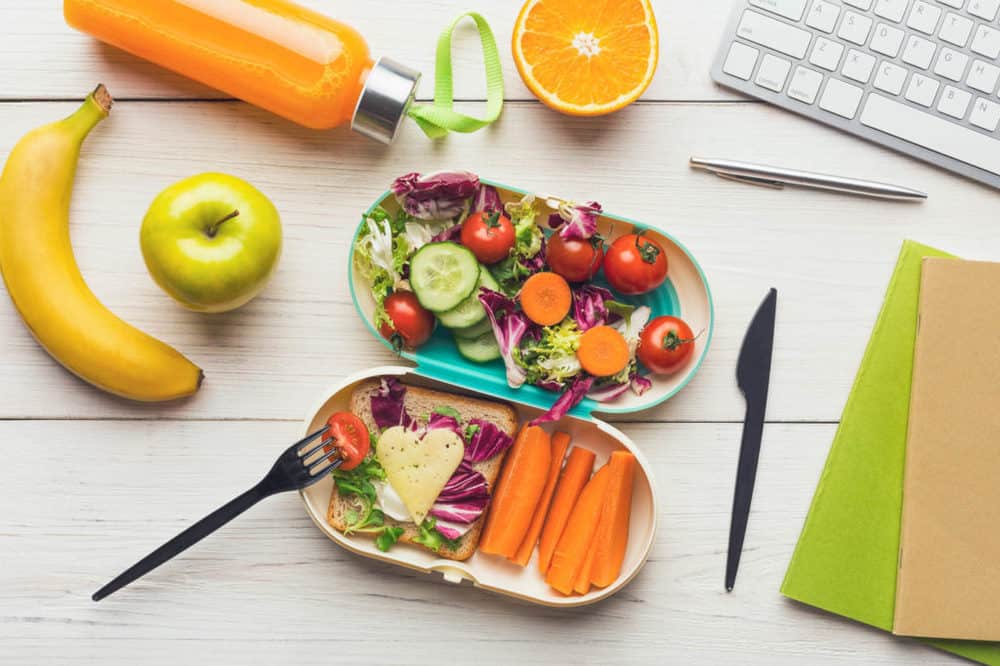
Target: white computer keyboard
x,y
920,76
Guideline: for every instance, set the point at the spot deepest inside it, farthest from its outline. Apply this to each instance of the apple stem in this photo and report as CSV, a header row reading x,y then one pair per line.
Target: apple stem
x,y
214,229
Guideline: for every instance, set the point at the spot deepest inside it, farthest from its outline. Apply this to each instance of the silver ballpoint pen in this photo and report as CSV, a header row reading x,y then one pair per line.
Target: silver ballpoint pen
x,y
777,177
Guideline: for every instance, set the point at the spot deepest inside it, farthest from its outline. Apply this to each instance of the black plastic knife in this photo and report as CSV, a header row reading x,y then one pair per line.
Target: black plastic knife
x,y
753,374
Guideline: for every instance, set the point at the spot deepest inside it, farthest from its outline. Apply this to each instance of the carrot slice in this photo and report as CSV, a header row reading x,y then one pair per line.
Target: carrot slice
x,y
546,298
571,552
602,351
517,494
582,583
560,442
572,480
611,538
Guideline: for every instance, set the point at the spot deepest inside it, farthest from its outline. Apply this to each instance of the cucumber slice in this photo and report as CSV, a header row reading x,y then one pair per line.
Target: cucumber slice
x,y
481,350
443,275
474,331
470,311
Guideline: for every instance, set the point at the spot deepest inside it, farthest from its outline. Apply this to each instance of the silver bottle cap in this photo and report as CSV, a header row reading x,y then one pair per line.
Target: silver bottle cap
x,y
388,92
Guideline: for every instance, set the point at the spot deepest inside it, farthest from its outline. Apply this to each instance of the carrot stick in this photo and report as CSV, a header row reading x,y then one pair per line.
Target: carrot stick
x,y
611,538
546,298
582,583
602,351
571,552
518,491
560,442
574,477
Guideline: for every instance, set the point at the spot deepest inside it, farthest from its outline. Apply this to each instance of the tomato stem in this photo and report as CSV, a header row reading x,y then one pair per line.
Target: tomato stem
x,y
648,250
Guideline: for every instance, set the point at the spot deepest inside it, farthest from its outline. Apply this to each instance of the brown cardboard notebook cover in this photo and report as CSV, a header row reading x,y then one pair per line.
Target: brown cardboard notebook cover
x,y
949,561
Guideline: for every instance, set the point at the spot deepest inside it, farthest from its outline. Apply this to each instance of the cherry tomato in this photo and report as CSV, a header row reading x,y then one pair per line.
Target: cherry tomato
x,y
665,345
635,264
490,236
411,323
574,259
350,438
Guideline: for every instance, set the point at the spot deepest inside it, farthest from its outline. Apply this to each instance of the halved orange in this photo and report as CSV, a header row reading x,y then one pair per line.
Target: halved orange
x,y
586,57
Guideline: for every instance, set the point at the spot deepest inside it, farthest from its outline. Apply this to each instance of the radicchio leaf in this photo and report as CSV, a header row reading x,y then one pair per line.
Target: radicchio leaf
x,y
608,392
387,405
640,384
509,326
589,309
464,497
452,233
487,200
574,221
438,421
488,441
567,401
435,196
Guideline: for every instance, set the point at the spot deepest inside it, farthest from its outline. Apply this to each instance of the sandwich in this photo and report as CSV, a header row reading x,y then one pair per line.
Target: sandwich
x,y
429,476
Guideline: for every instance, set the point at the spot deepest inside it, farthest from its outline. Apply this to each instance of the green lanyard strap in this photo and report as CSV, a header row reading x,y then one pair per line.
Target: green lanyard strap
x,y
437,119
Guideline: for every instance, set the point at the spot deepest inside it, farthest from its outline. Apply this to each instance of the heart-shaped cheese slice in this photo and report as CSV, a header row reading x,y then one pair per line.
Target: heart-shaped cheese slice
x,y
418,468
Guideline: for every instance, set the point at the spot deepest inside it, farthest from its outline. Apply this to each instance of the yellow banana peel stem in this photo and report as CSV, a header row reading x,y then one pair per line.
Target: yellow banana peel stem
x,y
45,283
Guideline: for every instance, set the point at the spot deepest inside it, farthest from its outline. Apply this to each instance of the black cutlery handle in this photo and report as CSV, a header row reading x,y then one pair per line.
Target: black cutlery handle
x,y
186,539
746,475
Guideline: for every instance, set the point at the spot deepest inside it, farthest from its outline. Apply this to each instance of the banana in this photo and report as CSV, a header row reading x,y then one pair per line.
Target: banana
x,y
46,285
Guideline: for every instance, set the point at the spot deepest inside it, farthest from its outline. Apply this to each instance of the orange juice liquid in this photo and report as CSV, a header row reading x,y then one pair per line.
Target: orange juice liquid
x,y
275,54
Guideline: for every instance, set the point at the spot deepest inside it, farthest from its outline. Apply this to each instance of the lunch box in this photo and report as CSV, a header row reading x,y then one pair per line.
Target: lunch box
x,y
438,365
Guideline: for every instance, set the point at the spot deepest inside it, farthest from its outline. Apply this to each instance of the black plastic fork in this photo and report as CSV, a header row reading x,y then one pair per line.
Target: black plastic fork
x,y
296,468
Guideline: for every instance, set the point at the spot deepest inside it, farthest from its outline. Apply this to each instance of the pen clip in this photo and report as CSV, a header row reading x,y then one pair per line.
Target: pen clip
x,y
751,180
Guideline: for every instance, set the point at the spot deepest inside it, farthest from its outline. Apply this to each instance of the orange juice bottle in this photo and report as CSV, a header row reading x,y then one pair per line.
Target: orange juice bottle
x,y
272,53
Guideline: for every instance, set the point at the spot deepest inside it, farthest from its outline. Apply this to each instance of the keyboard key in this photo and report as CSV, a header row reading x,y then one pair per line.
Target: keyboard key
x,y
956,29
860,4
858,66
740,61
932,132
887,40
983,76
774,34
951,64
954,102
891,9
986,42
890,78
823,16
984,9
919,52
826,54
855,28
841,98
790,9
773,72
924,17
805,84
922,90
985,114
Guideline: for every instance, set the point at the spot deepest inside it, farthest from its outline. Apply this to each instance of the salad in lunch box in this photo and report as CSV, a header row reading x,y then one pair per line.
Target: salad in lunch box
x,y
515,281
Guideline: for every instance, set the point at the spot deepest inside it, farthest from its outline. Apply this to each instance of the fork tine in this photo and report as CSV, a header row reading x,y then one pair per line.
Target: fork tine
x,y
326,442
308,438
314,469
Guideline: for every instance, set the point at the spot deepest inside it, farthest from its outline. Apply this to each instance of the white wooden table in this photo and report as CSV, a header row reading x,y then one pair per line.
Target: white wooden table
x,y
89,483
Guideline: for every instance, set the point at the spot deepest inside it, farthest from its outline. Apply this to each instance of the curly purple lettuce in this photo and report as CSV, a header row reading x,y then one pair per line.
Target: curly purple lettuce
x,y
487,200
589,309
435,196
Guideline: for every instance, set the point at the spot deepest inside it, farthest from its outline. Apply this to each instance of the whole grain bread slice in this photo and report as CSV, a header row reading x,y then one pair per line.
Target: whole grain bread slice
x,y
419,402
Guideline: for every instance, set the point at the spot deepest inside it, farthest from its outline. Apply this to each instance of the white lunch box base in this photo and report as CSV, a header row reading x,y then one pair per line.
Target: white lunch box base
x,y
491,572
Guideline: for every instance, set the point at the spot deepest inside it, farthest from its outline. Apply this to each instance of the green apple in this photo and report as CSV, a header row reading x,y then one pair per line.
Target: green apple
x,y
211,241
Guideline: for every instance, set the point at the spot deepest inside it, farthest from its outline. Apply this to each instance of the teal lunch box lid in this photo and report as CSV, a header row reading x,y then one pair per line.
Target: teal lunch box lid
x,y
685,294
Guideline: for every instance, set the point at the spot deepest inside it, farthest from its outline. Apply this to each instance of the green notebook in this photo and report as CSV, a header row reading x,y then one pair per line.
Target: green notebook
x,y
845,561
